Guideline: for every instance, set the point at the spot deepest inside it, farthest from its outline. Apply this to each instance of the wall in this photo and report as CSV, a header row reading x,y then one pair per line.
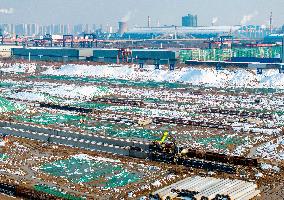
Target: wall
x,y
47,54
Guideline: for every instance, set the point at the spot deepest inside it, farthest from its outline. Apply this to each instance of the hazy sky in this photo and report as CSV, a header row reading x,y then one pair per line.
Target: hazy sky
x,y
228,12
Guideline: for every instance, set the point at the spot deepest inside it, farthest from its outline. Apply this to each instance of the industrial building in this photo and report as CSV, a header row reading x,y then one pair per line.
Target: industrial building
x,y
106,55
189,20
180,32
253,32
157,56
52,54
274,38
139,56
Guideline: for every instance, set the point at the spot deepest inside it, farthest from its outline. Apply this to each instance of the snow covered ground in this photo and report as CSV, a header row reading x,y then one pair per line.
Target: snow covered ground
x,y
194,76
18,68
46,91
272,149
42,91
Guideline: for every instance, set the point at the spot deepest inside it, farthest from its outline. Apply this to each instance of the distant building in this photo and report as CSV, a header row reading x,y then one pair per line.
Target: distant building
x,y
189,20
274,38
78,28
180,32
20,29
254,32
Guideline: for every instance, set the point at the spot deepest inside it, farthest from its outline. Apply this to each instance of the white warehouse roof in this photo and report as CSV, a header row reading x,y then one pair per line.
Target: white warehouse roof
x,y
185,30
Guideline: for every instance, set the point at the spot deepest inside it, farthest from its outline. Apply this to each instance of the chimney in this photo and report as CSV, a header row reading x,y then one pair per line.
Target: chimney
x,y
270,23
122,27
149,22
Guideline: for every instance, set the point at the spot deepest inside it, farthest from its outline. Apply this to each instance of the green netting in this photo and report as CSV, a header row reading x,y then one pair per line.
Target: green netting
x,y
115,130
121,179
52,99
3,157
5,85
279,113
131,109
81,170
220,142
8,106
111,81
122,130
225,54
55,191
47,118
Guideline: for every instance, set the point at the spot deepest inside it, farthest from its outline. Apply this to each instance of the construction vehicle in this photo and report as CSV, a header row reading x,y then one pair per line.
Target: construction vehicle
x,y
163,145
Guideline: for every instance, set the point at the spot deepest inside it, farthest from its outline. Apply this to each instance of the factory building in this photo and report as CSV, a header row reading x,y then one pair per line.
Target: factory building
x,y
139,56
156,56
189,20
107,55
52,54
274,38
253,32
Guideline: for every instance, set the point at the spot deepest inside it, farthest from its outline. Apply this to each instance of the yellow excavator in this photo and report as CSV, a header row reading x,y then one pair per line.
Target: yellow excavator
x,y
164,137
165,146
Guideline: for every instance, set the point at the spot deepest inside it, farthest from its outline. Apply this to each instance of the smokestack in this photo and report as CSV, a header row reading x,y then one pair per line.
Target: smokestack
x,y
149,22
270,23
122,27
282,56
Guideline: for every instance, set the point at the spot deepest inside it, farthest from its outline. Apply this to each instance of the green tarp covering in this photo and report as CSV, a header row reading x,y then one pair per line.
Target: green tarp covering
x,y
55,192
8,106
81,170
220,142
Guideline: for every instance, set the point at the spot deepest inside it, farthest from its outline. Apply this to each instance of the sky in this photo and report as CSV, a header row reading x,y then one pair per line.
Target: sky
x,y
167,12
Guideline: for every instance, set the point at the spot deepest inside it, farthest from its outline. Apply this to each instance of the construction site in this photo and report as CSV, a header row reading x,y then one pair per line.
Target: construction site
x,y
119,131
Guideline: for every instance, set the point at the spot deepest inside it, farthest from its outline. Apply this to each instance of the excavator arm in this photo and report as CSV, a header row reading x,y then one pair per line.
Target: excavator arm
x,y
164,137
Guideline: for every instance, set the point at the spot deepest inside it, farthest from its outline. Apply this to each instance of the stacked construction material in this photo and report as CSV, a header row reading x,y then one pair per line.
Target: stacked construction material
x,y
208,188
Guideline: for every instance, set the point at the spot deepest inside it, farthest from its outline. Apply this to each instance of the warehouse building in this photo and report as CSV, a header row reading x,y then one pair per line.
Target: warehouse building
x,y
182,32
138,56
107,55
156,56
274,38
52,54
